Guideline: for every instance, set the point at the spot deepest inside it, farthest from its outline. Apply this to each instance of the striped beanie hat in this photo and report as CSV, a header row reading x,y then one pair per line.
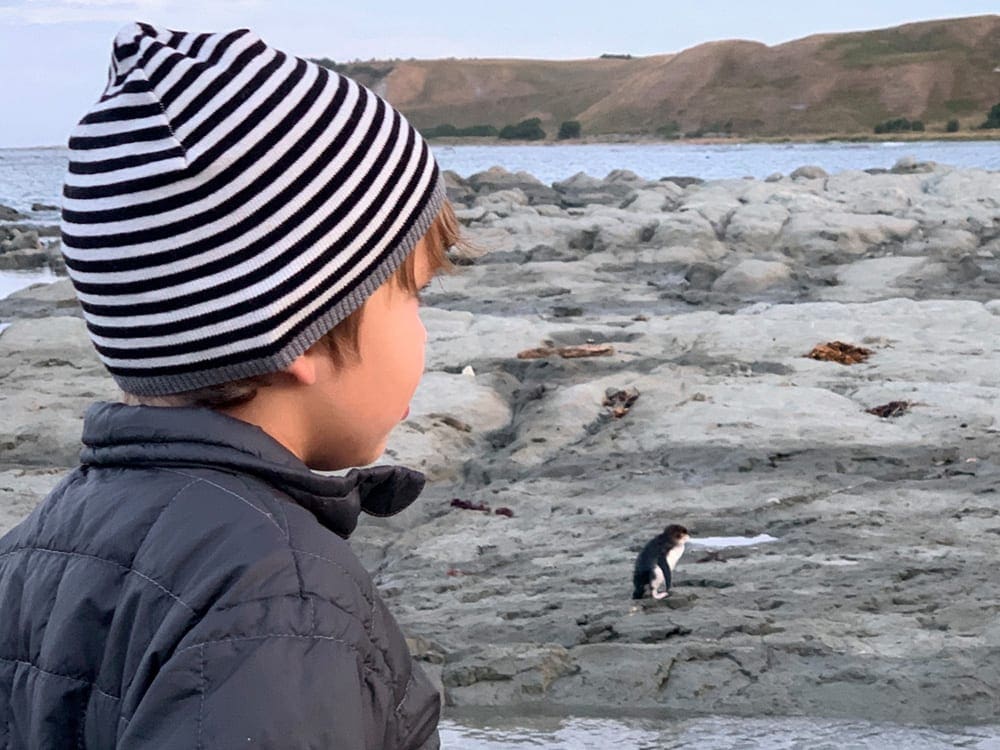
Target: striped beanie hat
x,y
228,204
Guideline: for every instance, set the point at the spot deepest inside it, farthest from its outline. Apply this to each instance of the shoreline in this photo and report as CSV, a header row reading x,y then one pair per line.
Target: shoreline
x,y
641,140
633,140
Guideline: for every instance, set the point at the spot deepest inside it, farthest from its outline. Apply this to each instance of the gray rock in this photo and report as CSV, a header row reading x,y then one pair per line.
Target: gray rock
x,y
909,165
457,188
502,202
41,301
755,227
683,182
43,230
10,214
690,230
736,432
809,173
752,277
582,190
627,176
831,237
498,178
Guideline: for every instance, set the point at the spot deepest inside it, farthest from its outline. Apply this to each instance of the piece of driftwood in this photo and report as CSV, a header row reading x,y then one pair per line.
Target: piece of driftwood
x,y
457,502
568,352
453,422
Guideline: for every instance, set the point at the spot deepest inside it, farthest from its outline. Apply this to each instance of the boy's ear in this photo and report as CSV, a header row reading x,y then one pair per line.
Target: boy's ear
x,y
303,367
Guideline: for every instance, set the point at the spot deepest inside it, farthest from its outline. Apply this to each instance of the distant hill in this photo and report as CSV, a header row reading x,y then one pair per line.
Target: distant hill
x,y
823,84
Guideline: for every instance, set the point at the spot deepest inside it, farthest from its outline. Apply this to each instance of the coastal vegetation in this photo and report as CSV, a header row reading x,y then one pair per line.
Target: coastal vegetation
x,y
569,129
526,130
992,119
899,125
447,130
670,131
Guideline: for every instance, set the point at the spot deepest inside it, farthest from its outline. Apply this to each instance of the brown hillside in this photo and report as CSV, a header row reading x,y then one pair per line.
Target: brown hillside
x,y
820,84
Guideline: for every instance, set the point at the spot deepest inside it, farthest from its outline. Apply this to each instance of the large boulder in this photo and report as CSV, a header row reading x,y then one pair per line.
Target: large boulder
x,y
965,186
498,178
871,278
810,172
690,230
41,301
716,201
457,188
502,202
52,375
834,237
861,193
752,276
582,190
664,196
755,227
10,214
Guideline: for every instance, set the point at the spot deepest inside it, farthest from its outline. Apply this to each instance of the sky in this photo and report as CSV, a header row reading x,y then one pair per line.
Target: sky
x,y
54,53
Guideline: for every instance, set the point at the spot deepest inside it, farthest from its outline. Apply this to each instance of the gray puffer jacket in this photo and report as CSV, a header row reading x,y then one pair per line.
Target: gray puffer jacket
x,y
190,586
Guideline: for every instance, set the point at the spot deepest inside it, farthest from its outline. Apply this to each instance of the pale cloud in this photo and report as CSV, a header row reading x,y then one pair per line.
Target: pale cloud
x,y
75,11
45,12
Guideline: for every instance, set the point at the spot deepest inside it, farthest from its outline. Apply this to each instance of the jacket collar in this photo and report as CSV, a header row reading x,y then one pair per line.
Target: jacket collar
x,y
116,435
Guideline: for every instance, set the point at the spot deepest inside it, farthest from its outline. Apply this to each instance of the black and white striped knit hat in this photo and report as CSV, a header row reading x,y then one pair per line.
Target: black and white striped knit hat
x,y
227,205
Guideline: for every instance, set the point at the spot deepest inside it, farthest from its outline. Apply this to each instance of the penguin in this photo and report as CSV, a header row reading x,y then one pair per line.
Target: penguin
x,y
657,561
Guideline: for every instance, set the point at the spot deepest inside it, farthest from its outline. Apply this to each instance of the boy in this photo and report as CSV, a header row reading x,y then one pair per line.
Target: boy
x,y
247,234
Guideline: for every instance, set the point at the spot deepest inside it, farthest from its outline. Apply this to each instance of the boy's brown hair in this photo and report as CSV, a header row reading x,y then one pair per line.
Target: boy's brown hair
x,y
341,342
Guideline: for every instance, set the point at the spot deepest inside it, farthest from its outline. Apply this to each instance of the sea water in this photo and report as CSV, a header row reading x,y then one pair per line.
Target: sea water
x,y
478,732
34,175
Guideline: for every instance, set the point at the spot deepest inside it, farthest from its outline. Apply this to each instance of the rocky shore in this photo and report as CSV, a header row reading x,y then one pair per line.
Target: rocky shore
x,y
699,302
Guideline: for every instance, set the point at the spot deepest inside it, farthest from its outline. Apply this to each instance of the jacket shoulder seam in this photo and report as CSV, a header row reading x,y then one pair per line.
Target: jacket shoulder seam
x,y
354,579
93,685
265,636
127,568
238,496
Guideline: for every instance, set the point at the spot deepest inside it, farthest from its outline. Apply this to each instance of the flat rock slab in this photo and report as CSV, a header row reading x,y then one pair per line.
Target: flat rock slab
x,y
878,599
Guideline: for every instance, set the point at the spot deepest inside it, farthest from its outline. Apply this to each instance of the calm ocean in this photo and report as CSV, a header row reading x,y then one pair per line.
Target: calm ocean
x,y
710,733
35,175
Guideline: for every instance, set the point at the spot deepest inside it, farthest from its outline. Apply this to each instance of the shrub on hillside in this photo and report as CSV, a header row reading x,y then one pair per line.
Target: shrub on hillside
x,y
448,130
569,129
526,130
993,118
899,125
445,130
671,130
952,126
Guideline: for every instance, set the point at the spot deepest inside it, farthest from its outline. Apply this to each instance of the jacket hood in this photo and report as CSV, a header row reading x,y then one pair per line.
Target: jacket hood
x,y
119,435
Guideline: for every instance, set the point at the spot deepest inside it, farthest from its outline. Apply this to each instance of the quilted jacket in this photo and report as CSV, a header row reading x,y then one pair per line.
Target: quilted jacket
x,y
190,586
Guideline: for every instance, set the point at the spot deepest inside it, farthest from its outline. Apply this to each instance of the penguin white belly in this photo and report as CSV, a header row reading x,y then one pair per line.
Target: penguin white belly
x,y
674,555
657,586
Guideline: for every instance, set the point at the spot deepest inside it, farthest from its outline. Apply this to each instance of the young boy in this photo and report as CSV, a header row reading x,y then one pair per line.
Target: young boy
x,y
247,234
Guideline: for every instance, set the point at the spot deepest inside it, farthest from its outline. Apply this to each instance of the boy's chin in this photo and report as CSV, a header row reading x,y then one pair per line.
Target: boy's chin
x,y
348,461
